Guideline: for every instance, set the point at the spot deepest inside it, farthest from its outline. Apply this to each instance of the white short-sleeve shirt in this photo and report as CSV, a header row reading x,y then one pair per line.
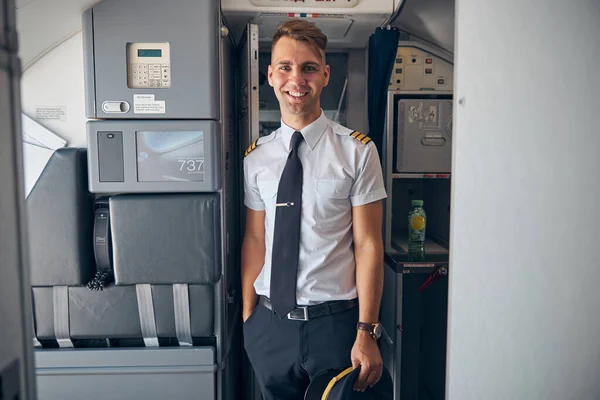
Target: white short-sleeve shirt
x,y
340,170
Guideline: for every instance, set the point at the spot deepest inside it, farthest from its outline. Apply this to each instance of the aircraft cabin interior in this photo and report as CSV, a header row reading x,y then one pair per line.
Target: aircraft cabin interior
x,y
124,126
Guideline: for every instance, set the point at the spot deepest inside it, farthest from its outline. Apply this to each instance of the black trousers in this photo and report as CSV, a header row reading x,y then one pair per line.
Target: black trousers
x,y
286,354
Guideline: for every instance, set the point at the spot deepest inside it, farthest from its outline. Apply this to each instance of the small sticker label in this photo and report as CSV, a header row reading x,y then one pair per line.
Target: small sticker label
x,y
145,104
58,113
420,265
431,114
414,114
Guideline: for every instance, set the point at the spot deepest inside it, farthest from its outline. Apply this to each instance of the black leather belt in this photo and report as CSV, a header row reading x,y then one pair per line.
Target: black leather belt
x,y
304,313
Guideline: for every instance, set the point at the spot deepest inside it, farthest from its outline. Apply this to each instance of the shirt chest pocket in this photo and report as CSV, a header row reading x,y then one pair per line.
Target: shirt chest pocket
x,y
333,208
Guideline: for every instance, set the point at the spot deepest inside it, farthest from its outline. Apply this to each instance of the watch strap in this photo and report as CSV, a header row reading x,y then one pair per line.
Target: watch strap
x,y
368,327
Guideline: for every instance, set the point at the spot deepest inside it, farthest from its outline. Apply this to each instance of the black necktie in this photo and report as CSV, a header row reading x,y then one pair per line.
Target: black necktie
x,y
286,239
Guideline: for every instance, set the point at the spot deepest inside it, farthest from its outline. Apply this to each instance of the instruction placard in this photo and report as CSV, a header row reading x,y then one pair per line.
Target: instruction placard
x,y
57,113
145,104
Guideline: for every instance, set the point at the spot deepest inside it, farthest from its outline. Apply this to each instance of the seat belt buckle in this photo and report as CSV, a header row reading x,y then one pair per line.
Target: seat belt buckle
x,y
291,315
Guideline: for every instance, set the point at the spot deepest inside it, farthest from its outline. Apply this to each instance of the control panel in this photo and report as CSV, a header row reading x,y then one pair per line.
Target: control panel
x,y
136,68
415,69
154,156
148,65
306,3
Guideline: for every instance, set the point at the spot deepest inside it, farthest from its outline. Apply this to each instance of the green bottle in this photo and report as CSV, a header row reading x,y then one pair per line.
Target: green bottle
x,y
417,222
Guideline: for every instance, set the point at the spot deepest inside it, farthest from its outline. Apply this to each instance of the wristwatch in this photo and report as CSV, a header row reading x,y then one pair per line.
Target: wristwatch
x,y
374,329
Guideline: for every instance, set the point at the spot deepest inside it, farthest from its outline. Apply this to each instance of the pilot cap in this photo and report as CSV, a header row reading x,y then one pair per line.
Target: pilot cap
x,y
337,383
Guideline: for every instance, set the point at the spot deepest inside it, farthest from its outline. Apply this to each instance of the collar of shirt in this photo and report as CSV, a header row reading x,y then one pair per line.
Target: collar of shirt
x,y
312,133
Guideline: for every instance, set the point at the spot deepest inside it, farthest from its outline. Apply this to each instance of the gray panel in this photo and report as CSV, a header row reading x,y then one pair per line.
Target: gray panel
x,y
8,26
124,374
431,20
249,88
43,312
166,239
11,27
60,218
3,28
113,312
202,310
15,348
160,164
165,357
201,299
192,31
110,156
424,136
227,305
89,78
10,280
390,321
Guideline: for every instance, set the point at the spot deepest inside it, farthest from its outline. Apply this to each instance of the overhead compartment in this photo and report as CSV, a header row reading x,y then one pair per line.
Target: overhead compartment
x,y
310,6
347,23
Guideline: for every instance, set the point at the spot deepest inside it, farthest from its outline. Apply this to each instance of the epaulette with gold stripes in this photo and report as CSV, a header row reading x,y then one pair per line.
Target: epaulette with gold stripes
x,y
361,137
250,148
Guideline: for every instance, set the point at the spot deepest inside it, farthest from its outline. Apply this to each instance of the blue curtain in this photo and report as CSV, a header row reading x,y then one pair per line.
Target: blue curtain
x,y
383,47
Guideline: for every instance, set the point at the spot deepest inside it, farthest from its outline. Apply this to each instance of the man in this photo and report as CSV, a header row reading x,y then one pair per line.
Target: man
x,y
312,256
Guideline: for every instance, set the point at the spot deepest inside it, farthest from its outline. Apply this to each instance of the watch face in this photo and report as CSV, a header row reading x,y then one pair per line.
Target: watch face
x,y
377,331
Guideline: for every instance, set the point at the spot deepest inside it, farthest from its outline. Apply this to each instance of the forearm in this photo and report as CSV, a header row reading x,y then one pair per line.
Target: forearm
x,y
368,253
369,279
253,254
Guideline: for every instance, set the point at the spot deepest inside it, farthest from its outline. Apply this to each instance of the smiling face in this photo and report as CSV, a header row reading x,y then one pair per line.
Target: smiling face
x,y
297,75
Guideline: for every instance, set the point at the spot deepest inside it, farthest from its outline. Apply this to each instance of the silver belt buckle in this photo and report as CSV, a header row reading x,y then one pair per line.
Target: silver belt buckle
x,y
305,318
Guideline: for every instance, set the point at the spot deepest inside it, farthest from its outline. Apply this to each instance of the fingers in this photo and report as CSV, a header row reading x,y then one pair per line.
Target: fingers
x,y
369,375
366,354
374,376
361,380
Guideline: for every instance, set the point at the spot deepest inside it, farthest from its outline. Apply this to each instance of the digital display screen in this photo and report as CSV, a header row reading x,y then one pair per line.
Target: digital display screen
x,y
170,156
149,53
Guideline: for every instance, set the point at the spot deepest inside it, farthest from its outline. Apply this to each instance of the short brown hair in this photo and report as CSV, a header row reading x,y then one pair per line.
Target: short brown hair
x,y
303,31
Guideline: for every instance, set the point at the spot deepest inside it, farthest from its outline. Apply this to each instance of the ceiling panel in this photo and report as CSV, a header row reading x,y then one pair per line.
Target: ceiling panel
x,y
431,20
